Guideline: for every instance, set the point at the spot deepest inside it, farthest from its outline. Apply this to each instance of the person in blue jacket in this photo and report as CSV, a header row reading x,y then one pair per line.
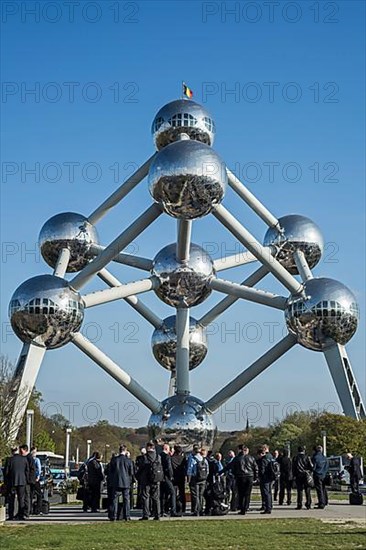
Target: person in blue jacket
x,y
320,471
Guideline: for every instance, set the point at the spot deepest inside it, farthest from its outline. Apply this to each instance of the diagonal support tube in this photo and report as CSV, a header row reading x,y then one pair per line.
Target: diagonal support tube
x,y
126,259
118,292
302,266
222,306
62,263
182,355
252,201
26,372
184,239
250,294
263,254
116,372
121,192
250,373
133,301
137,227
345,382
235,260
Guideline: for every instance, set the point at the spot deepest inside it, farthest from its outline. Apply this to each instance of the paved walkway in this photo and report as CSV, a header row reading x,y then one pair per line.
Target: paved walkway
x,y
337,511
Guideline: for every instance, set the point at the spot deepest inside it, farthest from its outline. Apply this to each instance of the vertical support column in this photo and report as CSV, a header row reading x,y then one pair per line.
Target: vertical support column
x,y
172,384
182,357
184,239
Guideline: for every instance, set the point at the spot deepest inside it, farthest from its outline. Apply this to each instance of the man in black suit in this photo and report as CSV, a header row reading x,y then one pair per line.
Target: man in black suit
x,y
168,501
285,477
120,473
16,477
301,467
179,465
355,473
31,480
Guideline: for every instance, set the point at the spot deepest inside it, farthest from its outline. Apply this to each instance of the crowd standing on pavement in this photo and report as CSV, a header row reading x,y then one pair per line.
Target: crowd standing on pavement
x,y
159,476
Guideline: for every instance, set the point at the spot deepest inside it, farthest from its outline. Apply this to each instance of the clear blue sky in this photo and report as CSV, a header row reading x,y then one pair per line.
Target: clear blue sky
x,y
299,89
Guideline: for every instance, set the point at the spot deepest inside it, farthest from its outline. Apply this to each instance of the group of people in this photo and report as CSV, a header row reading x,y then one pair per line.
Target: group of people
x,y
215,485
161,473
22,473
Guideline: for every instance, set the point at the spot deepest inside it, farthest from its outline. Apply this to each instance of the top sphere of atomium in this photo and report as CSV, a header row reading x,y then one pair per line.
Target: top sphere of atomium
x,y
47,310
187,178
329,314
183,284
182,116
183,421
68,230
299,233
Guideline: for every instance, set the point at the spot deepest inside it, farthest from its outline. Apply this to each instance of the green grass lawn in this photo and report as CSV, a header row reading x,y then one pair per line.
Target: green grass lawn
x,y
299,534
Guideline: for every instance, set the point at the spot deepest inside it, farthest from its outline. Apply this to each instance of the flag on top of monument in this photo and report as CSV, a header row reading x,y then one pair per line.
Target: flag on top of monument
x,y
187,91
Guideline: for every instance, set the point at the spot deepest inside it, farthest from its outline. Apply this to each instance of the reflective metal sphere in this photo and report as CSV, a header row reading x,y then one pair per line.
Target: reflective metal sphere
x,y
182,116
328,314
46,309
164,343
187,178
299,233
183,421
183,284
68,230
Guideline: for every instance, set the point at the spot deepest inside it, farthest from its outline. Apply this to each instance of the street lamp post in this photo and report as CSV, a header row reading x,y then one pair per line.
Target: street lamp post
x,y
324,436
106,447
29,427
288,446
77,455
67,451
88,447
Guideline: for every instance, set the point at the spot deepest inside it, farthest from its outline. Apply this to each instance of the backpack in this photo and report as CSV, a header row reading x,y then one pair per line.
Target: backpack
x,y
201,470
273,469
156,473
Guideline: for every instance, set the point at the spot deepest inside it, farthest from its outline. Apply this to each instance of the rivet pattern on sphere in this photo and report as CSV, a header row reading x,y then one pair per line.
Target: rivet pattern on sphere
x,y
329,314
164,343
299,233
183,284
182,116
187,178
47,310
68,230
183,421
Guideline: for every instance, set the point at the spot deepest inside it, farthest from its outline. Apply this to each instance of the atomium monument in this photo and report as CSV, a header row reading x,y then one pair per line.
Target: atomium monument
x,y
187,180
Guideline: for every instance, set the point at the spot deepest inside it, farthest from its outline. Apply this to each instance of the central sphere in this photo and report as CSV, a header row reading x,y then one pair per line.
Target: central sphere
x,y
68,230
182,116
187,178
47,310
183,421
329,314
164,343
183,284
299,233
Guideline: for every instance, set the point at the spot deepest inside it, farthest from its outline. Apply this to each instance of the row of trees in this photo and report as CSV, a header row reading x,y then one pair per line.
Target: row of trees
x,y
300,428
